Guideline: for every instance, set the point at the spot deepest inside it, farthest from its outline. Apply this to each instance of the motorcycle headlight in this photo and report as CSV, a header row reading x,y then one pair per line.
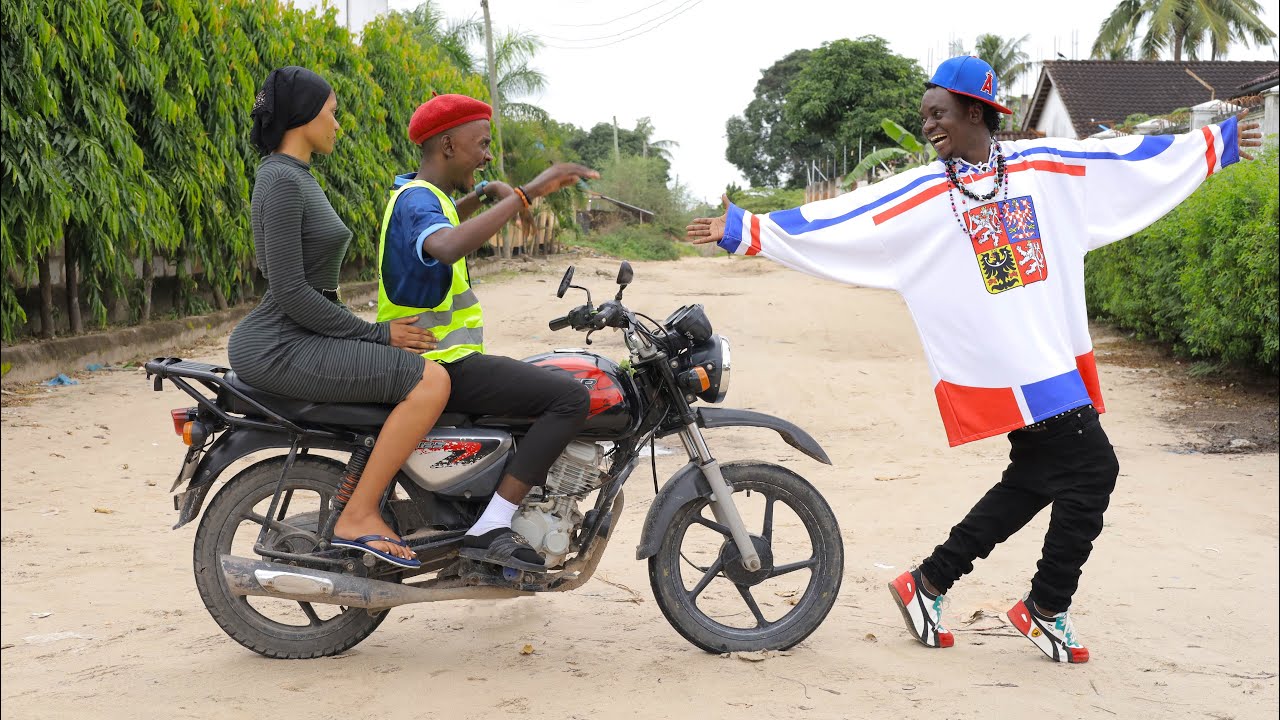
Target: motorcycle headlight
x,y
708,373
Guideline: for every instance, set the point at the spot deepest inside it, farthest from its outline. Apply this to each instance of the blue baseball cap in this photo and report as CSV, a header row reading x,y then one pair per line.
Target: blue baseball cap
x,y
971,77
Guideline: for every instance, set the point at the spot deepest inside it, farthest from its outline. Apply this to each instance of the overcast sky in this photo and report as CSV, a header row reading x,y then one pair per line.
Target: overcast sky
x,y
691,64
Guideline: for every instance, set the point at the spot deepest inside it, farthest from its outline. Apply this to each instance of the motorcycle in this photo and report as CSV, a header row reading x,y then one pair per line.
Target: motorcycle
x,y
267,574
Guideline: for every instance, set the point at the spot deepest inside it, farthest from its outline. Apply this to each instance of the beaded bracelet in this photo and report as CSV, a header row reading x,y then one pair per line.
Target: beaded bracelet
x,y
520,193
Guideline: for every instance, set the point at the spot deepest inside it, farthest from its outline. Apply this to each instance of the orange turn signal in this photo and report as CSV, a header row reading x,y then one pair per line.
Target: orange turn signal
x,y
703,381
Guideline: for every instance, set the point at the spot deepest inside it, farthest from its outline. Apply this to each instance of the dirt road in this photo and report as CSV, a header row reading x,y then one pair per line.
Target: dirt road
x,y
1178,604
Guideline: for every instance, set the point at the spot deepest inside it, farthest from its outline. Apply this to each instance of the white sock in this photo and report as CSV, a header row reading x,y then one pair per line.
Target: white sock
x,y
497,515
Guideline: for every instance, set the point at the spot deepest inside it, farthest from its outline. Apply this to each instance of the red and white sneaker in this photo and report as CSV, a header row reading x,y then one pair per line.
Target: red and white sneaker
x,y
923,614
1055,636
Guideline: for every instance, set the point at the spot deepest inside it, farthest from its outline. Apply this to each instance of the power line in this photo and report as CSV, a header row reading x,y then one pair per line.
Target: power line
x,y
668,14
610,22
686,8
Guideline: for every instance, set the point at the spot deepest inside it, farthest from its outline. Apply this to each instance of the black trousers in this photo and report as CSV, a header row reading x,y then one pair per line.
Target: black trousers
x,y
1070,465
496,385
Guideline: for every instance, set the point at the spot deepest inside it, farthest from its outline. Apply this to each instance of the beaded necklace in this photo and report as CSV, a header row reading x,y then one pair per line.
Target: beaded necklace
x,y
1002,181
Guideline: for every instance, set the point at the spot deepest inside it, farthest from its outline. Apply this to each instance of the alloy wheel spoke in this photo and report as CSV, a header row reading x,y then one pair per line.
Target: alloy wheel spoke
x,y
277,526
710,575
310,612
713,525
284,504
792,567
745,592
767,532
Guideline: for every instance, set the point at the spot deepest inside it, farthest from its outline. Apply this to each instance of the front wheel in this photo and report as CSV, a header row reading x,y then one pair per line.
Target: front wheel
x,y
714,602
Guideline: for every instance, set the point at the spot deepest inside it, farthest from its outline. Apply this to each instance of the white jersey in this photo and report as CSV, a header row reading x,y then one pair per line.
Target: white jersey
x,y
1000,308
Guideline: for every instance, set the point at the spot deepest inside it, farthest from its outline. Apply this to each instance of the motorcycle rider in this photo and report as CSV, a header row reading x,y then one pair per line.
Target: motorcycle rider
x,y
422,265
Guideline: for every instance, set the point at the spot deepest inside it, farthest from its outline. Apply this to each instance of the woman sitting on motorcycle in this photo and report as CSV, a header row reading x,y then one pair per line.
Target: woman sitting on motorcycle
x,y
301,341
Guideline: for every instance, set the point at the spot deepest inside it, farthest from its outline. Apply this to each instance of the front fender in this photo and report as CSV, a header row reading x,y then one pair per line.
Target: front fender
x,y
709,417
685,486
231,446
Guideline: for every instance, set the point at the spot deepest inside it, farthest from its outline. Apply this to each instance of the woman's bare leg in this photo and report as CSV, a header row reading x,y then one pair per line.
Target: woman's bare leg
x,y
405,426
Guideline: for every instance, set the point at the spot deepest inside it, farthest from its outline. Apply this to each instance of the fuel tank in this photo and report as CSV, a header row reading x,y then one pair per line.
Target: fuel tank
x,y
615,403
460,462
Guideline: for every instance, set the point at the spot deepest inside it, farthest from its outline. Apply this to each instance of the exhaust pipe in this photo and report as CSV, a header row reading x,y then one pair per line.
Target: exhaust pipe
x,y
245,576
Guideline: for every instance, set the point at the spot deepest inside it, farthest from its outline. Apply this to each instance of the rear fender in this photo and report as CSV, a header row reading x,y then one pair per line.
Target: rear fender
x,y
230,447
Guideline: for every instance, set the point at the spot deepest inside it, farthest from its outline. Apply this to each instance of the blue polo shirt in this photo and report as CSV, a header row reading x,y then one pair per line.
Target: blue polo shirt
x,y
411,277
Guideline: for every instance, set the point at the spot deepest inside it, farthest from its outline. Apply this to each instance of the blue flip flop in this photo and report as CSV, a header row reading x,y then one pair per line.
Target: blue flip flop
x,y
360,544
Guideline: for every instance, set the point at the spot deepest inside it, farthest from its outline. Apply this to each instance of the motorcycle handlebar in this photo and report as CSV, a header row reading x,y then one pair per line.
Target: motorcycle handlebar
x,y
586,317
605,317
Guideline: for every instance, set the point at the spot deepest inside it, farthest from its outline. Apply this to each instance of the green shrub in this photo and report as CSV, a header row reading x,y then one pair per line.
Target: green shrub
x,y
125,134
766,199
636,242
1205,277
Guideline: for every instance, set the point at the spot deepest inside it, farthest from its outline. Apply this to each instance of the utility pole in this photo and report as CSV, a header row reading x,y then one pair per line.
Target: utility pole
x,y
493,84
616,155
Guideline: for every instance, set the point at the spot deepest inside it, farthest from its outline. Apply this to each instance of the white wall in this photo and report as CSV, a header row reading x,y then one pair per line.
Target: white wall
x,y
1271,113
355,14
1054,120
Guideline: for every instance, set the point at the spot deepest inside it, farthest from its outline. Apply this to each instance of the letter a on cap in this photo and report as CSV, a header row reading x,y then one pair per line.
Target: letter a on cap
x,y
986,85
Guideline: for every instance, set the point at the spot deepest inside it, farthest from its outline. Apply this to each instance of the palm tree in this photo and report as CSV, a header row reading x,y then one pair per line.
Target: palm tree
x,y
512,54
454,37
1005,56
1183,26
661,148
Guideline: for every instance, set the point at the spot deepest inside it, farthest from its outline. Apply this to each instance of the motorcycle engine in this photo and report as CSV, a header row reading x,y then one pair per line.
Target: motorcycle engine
x,y
549,516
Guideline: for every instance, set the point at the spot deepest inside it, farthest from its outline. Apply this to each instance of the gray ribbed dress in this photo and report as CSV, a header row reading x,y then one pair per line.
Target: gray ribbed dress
x,y
297,342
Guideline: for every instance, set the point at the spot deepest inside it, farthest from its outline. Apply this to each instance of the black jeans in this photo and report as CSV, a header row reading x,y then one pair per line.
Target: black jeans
x,y
496,385
1069,464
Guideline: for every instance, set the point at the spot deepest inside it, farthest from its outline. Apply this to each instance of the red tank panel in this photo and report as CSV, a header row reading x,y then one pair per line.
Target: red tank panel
x,y
614,411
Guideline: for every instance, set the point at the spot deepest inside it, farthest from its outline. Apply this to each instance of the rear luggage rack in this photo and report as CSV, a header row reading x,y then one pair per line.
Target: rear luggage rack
x,y
179,372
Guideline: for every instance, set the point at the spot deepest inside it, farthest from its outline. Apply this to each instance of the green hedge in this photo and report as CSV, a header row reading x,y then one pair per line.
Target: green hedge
x,y
636,242
125,134
1205,277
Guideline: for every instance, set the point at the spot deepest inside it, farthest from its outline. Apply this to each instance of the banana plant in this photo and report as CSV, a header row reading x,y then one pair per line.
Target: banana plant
x,y
910,152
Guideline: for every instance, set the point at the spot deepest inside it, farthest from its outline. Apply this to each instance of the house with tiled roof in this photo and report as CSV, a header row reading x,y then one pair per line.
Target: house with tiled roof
x,y
1079,98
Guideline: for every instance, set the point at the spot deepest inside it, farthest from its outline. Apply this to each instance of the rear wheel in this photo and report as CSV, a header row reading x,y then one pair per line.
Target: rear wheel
x,y
708,596
273,627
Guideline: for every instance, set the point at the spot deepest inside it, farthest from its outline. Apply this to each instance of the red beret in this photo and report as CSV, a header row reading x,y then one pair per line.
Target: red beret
x,y
443,112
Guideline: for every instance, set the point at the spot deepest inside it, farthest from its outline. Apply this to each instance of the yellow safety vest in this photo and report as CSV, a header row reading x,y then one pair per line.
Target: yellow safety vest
x,y
457,322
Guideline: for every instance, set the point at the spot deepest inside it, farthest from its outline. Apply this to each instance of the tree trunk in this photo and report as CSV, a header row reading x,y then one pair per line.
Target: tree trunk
x,y
148,282
1177,48
71,273
179,291
219,300
46,296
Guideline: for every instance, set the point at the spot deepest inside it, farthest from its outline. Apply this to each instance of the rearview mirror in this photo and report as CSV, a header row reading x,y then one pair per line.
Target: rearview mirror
x,y
625,274
564,283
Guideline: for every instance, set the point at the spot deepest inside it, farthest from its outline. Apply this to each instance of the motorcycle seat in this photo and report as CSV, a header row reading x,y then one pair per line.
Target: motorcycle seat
x,y
307,412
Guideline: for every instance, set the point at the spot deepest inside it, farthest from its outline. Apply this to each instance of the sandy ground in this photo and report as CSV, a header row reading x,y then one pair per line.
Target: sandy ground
x,y
1178,604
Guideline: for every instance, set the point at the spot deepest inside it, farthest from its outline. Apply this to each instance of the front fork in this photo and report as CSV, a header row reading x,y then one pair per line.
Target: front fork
x,y
726,513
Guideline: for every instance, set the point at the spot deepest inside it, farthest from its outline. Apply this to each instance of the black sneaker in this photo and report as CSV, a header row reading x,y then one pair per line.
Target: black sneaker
x,y
504,547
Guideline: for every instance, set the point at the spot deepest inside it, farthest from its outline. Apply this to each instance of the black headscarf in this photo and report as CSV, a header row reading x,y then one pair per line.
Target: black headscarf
x,y
292,96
